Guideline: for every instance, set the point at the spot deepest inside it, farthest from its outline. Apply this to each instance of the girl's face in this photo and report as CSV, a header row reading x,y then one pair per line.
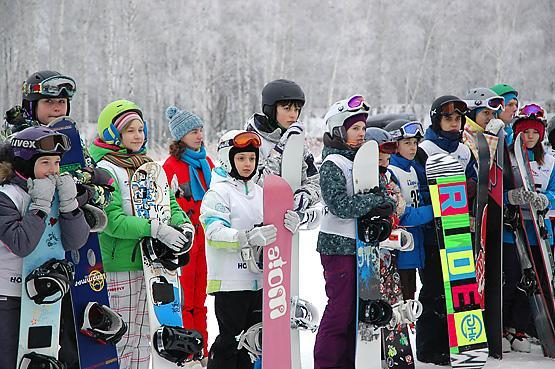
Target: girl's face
x,y
287,114
47,165
49,109
483,117
133,135
355,134
451,123
508,114
407,148
245,163
383,160
193,139
530,138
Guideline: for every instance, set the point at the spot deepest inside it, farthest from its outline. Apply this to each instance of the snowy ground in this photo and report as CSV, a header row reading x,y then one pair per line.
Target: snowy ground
x,y
312,289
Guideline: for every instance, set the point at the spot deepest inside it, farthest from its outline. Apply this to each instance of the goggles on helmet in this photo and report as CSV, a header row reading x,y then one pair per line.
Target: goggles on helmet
x,y
355,103
52,86
409,130
492,103
451,107
533,111
53,143
242,140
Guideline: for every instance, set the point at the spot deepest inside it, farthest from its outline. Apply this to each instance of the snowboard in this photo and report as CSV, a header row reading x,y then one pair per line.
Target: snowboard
x,y
90,279
493,273
276,304
150,196
368,342
39,329
466,331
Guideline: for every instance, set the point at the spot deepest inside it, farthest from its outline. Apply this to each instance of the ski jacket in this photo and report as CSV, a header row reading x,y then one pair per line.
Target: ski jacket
x,y
21,231
341,205
269,161
228,207
415,216
120,240
544,179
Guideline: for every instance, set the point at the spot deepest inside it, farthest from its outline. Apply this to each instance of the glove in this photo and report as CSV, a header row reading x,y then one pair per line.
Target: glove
x,y
41,192
301,200
294,129
539,201
312,217
189,233
520,196
168,235
494,126
291,221
471,188
384,210
258,236
67,191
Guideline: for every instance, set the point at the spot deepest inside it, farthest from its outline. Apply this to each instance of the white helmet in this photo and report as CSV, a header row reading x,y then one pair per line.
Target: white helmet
x,y
238,139
341,110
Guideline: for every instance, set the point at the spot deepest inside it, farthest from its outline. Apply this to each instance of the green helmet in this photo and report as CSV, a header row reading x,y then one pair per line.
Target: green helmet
x,y
502,89
107,131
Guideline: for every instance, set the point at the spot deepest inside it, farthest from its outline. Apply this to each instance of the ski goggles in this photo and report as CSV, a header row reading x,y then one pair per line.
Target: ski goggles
x,y
242,140
53,86
54,143
354,103
452,107
492,103
533,111
409,130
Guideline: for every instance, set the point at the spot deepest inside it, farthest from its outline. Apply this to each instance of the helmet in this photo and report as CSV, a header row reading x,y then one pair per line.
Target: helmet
x,y
482,97
33,142
45,84
107,131
341,110
502,89
279,90
531,116
445,106
385,141
550,130
233,142
404,128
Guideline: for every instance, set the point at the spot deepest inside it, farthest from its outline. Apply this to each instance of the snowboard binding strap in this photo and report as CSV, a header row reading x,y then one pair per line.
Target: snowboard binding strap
x,y
178,345
49,282
374,229
103,324
156,252
376,312
251,340
304,315
252,255
405,312
399,239
33,360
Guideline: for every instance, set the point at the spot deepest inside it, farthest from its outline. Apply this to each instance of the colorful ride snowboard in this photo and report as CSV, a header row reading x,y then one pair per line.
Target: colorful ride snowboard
x,y
276,302
90,279
467,336
39,330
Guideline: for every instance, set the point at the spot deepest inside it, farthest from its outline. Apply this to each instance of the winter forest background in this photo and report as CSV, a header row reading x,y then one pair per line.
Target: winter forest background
x,y
213,57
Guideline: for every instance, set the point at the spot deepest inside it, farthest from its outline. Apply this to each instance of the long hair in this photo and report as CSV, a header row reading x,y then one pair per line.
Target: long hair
x,y
177,148
537,150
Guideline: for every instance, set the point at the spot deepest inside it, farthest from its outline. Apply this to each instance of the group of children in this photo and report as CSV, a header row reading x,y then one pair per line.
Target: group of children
x,y
217,211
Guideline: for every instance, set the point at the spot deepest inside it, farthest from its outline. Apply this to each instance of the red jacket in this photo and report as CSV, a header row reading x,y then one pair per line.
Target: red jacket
x,y
179,168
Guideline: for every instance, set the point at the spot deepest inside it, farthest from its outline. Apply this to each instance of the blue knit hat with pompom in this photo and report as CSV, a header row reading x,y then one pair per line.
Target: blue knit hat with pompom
x,y
182,122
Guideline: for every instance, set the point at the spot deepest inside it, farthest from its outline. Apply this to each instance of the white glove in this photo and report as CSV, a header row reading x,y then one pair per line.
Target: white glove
x,y
67,191
258,236
189,233
520,196
494,126
294,129
41,192
539,201
301,200
312,217
168,235
291,221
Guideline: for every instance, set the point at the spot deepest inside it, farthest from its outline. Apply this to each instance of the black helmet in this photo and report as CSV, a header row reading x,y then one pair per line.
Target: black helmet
x,y
46,84
279,90
437,109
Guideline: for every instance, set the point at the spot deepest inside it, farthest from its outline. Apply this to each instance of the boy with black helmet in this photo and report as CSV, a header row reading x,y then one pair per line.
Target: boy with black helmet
x,y
282,101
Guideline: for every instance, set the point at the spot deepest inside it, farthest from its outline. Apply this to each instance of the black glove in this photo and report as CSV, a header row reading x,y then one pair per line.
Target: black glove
x,y
384,210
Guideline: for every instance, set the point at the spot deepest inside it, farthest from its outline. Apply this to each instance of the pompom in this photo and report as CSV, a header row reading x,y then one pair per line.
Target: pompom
x,y
171,111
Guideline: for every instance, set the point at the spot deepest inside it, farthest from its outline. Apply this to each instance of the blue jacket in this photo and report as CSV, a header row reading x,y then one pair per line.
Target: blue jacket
x,y
414,219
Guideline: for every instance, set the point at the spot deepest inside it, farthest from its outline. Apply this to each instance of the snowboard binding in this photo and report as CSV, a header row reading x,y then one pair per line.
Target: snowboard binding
x,y
96,218
251,340
399,239
103,324
374,229
178,345
38,361
304,315
252,256
405,312
156,252
375,312
49,282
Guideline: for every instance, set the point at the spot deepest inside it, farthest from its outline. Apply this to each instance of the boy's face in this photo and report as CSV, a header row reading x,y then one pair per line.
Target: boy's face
x,y
383,160
407,147
508,114
245,163
287,114
451,123
47,165
49,109
133,135
483,117
193,139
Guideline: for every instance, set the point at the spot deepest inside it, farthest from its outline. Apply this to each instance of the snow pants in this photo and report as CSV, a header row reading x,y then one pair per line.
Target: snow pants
x,y
516,306
335,340
68,340
10,311
236,311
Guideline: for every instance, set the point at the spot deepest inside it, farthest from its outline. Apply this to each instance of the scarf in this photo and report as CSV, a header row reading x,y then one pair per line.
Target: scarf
x,y
197,160
129,162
